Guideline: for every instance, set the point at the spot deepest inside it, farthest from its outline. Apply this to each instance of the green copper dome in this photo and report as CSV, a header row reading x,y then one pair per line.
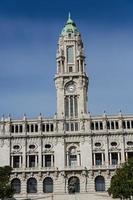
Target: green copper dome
x,y
70,27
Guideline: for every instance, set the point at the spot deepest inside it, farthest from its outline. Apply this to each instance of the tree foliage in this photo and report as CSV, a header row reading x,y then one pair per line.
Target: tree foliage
x,y
122,182
5,188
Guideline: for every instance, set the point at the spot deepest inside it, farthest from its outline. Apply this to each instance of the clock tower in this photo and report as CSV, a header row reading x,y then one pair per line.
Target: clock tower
x,y
71,80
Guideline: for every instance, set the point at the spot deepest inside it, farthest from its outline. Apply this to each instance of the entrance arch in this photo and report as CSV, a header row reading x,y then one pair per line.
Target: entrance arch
x,y
99,184
16,185
32,185
48,185
73,185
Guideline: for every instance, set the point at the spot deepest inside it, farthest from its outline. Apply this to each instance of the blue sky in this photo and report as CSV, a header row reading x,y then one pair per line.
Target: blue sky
x,y
29,31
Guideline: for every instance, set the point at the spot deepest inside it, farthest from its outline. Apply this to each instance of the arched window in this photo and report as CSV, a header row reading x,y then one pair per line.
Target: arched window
x,y
73,185
48,185
31,185
99,183
73,156
16,185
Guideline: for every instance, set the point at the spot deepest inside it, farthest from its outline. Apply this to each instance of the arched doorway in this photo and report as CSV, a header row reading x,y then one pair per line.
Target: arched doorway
x,y
48,185
100,183
32,185
16,185
73,185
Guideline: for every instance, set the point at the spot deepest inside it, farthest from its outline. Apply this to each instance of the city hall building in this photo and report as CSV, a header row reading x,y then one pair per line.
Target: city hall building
x,y
73,152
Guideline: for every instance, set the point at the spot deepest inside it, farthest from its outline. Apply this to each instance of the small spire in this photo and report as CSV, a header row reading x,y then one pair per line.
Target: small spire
x,y
120,113
24,116
2,118
40,116
104,113
69,15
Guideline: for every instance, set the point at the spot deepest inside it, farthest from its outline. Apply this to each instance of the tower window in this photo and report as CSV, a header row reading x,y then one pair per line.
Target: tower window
x,y
70,56
71,106
67,106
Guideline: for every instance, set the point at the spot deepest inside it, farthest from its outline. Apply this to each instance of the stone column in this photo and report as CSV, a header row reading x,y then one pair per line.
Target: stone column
x,y
102,158
118,158
43,160
24,153
94,159
110,158
40,154
27,161
122,149
12,161
106,152
67,163
52,161
78,160
126,156
36,163
20,161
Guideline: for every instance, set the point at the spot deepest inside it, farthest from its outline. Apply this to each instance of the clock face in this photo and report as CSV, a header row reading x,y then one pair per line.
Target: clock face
x,y
71,88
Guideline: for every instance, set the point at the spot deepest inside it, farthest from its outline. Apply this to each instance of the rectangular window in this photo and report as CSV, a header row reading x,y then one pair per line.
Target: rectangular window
x,y
116,125
130,155
101,125
70,54
47,160
70,69
67,126
114,157
72,127
16,161
73,160
92,125
98,158
76,126
32,161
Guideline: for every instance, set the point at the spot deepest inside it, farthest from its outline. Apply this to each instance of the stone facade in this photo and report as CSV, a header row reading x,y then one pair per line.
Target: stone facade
x,y
73,152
